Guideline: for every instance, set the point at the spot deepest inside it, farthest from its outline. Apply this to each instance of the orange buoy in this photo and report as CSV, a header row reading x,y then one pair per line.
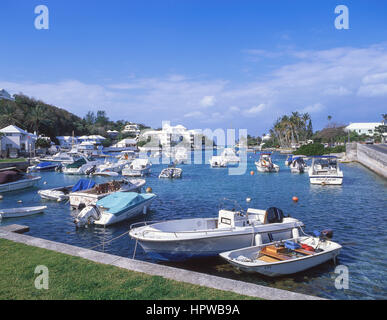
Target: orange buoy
x,y
252,173
149,190
295,199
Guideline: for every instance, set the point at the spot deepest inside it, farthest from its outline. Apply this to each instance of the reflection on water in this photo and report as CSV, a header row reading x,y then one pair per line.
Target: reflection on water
x,y
355,211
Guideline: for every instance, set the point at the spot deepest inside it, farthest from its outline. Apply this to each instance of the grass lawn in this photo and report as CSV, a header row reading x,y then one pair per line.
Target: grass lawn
x,y
13,160
76,278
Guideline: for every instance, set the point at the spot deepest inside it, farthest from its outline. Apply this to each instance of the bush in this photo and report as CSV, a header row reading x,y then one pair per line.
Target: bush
x,y
42,143
337,149
315,149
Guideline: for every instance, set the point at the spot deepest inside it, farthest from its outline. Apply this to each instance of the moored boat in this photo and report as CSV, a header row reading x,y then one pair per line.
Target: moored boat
x,y
298,165
325,171
12,179
21,212
171,173
138,168
115,208
202,237
82,166
43,166
284,257
265,164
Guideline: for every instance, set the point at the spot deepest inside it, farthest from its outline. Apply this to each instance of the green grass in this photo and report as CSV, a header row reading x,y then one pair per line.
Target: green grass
x,y
76,278
13,160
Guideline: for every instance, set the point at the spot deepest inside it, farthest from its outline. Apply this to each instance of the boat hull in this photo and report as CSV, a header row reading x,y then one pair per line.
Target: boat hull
x,y
21,212
326,180
19,185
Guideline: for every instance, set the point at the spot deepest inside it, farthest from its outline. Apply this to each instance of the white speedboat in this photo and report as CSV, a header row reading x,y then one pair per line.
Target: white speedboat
x,y
325,171
115,208
43,166
298,165
217,162
285,257
83,166
62,157
12,179
21,212
126,155
229,156
138,168
56,194
289,160
109,168
90,196
171,173
201,237
265,164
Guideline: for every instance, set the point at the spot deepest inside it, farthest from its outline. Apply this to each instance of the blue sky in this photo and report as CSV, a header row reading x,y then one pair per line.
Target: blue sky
x,y
203,64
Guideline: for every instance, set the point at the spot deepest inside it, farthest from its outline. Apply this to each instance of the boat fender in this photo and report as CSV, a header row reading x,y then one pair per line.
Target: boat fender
x,y
295,233
258,239
306,247
328,233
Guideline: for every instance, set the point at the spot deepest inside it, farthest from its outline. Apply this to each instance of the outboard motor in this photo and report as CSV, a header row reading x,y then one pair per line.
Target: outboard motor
x,y
274,215
91,170
59,168
87,216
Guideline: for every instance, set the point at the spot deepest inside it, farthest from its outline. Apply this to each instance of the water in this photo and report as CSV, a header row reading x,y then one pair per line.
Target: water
x,y
356,211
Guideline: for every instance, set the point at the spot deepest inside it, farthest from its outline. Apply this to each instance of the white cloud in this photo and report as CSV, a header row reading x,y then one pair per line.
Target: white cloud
x,y
194,114
317,107
208,101
254,110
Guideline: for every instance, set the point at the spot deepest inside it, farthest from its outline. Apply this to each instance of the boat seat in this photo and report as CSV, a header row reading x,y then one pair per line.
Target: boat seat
x,y
304,252
268,259
276,254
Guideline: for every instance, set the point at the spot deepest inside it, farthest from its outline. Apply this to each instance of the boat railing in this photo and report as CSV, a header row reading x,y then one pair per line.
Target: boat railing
x,y
177,233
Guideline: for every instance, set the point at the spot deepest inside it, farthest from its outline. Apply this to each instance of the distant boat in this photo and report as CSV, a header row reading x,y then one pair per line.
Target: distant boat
x,y
265,164
114,208
83,166
61,157
289,160
298,165
171,173
12,179
56,194
43,166
138,168
20,212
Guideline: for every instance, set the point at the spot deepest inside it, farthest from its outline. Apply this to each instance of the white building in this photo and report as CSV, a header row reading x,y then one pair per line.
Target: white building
x,y
367,128
126,143
132,128
67,141
15,139
171,135
112,133
4,95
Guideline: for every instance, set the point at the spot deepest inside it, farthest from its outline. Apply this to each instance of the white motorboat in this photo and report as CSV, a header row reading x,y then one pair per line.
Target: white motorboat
x,y
265,164
83,166
109,168
285,257
12,179
115,208
201,237
62,157
56,194
181,156
325,171
43,166
90,196
229,156
217,162
126,155
289,160
171,173
298,165
21,212
138,168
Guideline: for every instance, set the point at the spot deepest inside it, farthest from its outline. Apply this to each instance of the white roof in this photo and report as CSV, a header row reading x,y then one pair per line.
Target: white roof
x,y
363,125
13,129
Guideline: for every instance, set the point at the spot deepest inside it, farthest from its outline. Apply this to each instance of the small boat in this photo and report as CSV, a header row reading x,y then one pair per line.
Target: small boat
x,y
13,179
289,160
284,257
298,165
217,162
138,168
226,158
171,173
114,208
62,157
108,168
126,155
203,237
21,212
82,166
56,194
181,156
325,171
43,166
265,164
89,196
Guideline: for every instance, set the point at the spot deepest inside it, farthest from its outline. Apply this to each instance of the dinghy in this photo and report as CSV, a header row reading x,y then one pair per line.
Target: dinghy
x,y
284,257
114,208
202,237
20,212
171,173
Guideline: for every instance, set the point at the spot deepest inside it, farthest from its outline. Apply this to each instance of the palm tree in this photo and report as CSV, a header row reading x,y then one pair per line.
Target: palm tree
x,y
8,116
35,117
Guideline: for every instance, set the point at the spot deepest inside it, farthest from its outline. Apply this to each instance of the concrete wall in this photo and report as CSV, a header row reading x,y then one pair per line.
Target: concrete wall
x,y
372,159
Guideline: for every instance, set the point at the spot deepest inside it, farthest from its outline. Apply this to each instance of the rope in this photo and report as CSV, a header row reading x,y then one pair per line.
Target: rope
x,y
102,244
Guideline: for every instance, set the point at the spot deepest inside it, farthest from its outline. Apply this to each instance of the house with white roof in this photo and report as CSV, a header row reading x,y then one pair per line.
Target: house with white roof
x,y
14,139
4,95
132,128
367,128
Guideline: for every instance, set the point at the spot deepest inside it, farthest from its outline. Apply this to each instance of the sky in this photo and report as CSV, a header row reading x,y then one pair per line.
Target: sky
x,y
203,64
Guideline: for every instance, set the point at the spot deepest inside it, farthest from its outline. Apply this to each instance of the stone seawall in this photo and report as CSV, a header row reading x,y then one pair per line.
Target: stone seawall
x,y
369,156
20,165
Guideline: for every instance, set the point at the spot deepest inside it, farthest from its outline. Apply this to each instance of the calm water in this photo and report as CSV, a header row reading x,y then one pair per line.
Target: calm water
x,y
356,211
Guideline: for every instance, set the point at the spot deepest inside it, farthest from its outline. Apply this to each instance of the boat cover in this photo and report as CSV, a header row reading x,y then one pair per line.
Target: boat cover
x,y
119,201
274,215
77,164
9,176
44,164
83,184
